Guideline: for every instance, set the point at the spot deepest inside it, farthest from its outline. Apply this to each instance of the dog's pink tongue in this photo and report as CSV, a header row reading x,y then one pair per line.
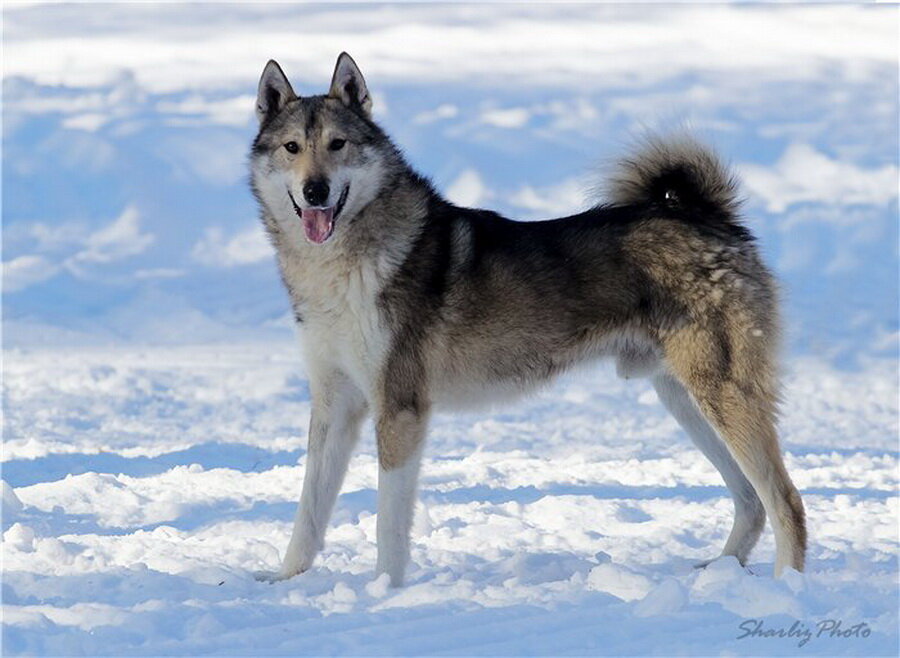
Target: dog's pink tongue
x,y
318,223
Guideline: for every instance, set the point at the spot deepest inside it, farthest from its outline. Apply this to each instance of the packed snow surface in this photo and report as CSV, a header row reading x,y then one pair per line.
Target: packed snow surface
x,y
144,486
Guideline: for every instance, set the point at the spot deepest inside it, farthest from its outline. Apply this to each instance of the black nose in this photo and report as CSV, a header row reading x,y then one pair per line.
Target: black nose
x,y
316,192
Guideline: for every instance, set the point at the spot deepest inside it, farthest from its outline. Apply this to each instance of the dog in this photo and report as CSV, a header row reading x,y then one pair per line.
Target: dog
x,y
406,303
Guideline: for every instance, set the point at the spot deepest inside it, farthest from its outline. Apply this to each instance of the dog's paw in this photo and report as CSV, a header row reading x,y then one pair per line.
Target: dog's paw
x,y
725,558
274,576
265,576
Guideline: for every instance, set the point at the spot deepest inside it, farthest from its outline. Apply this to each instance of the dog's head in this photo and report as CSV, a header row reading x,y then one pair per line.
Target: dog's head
x,y
317,160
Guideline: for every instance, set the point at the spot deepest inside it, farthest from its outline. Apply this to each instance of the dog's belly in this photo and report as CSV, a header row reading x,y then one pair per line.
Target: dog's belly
x,y
458,394
487,375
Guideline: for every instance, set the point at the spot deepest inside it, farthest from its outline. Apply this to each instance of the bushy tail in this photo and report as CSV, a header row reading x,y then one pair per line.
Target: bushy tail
x,y
676,174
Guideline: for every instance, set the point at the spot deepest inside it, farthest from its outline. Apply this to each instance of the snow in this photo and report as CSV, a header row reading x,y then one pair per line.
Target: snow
x,y
581,45
144,487
154,403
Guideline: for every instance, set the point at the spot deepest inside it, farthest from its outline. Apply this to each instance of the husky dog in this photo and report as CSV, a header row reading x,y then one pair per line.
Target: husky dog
x,y
406,303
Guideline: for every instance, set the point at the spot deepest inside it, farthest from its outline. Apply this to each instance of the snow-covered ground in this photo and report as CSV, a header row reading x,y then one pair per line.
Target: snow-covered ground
x,y
148,484
154,405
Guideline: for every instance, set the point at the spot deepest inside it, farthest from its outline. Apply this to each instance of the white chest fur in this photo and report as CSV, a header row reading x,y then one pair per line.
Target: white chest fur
x,y
342,327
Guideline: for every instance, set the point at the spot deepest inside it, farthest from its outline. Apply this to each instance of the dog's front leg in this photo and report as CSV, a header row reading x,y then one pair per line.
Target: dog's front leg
x,y
400,434
338,409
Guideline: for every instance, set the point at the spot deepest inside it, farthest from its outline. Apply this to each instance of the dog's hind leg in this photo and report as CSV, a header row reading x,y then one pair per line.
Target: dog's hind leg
x,y
749,515
338,409
733,383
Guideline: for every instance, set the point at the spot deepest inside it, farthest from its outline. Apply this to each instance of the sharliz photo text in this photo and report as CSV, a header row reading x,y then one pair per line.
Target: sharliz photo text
x,y
802,632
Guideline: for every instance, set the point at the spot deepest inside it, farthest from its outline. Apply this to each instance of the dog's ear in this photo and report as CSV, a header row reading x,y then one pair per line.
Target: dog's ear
x,y
274,92
349,87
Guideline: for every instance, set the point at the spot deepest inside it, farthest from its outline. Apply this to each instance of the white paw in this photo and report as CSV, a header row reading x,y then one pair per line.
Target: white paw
x,y
275,576
725,558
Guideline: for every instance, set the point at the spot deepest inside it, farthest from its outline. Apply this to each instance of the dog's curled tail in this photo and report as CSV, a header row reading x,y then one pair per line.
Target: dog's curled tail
x,y
677,174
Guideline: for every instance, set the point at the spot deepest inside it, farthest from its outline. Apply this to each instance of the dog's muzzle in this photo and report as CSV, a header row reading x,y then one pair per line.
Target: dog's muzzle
x,y
318,221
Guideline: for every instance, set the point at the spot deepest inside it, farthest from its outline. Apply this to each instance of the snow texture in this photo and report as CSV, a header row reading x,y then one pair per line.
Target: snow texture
x,y
155,409
143,487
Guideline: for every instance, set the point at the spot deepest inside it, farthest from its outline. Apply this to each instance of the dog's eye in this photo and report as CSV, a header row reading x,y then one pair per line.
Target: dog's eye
x,y
337,144
292,147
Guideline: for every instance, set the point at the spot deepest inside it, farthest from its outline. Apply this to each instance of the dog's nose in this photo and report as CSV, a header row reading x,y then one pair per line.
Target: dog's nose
x,y
316,192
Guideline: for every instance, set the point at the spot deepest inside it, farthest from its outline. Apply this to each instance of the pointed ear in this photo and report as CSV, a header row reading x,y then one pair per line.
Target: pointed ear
x,y
349,87
274,92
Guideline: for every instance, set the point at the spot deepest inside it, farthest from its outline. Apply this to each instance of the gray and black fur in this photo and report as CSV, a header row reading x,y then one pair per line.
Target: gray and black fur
x,y
414,303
